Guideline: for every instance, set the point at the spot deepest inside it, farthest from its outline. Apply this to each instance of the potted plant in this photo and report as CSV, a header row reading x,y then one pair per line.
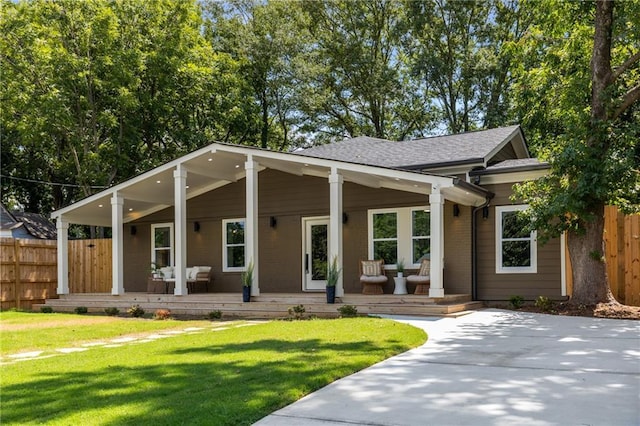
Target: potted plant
x,y
155,271
400,267
247,280
333,273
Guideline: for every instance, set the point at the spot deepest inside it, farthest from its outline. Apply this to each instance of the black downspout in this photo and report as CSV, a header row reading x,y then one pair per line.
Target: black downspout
x,y
474,248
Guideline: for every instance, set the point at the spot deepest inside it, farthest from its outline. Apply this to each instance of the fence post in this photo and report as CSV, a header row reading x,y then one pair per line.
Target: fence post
x,y
18,278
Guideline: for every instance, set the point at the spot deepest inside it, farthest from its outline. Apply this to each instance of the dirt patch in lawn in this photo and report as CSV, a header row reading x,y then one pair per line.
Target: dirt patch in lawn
x,y
601,310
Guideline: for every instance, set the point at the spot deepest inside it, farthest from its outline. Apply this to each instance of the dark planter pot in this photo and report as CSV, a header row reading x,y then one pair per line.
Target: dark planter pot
x,y
331,295
246,294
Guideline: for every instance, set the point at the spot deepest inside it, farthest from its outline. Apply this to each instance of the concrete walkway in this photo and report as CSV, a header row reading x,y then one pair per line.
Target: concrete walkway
x,y
491,367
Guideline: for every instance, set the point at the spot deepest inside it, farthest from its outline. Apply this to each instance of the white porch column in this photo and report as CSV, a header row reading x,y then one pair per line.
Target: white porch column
x,y
335,224
117,255
180,229
63,255
251,224
436,200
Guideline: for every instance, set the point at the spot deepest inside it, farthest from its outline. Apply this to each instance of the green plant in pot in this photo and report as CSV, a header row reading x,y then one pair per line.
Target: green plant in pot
x,y
333,274
400,267
247,280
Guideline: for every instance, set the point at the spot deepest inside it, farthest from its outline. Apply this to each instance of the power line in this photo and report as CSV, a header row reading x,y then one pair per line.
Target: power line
x,y
70,185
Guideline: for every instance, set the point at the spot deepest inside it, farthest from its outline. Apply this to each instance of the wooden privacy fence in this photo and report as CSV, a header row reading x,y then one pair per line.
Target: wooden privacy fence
x,y
28,270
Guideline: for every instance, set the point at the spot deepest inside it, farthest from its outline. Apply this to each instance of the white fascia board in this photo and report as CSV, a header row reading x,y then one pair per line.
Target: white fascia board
x,y
513,177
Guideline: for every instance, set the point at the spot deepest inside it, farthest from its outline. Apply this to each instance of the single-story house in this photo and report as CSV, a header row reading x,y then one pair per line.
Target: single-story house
x,y
446,198
25,225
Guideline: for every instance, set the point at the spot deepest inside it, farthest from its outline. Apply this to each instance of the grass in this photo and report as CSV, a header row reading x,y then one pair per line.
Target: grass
x,y
22,331
227,377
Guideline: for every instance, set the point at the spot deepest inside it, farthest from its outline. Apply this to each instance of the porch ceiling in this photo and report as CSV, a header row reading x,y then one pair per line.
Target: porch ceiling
x,y
217,165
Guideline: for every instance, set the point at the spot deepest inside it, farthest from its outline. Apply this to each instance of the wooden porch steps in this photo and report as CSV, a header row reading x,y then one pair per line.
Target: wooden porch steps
x,y
273,305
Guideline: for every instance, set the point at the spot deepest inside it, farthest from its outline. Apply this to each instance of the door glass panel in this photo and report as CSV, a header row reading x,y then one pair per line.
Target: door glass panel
x,y
319,238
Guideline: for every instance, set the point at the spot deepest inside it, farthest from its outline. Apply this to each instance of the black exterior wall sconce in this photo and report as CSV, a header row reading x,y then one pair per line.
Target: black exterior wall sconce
x,y
456,210
134,230
485,212
196,226
273,222
345,218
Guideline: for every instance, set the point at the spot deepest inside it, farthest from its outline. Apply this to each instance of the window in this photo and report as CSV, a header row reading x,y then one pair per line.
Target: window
x,y
515,246
162,244
233,246
402,233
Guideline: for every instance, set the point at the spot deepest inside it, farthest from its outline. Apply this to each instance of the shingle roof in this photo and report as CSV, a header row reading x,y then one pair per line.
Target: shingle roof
x,y
37,225
459,148
514,165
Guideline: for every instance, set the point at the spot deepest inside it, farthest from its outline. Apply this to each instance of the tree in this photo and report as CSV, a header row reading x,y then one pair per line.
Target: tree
x,y
578,95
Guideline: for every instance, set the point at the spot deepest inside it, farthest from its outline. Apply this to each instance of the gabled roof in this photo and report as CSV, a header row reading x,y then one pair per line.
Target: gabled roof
x,y
26,224
472,148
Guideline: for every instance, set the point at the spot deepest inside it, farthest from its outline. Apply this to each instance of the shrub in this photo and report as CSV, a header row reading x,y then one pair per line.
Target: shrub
x,y
46,309
81,310
348,311
214,315
113,311
136,311
516,301
162,314
544,303
297,312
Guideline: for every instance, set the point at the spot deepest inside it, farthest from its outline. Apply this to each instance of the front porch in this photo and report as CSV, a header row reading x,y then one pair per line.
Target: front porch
x,y
267,305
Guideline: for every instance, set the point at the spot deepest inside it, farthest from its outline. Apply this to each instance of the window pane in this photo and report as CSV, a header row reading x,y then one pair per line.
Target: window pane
x,y
319,240
514,225
386,250
421,247
516,253
162,237
235,233
162,258
235,257
421,223
385,225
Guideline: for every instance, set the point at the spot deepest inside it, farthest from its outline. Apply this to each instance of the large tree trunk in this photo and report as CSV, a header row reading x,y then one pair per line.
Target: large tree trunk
x,y
586,251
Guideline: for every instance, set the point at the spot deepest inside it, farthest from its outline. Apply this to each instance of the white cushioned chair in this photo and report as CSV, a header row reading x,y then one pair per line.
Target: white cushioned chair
x,y
372,276
423,279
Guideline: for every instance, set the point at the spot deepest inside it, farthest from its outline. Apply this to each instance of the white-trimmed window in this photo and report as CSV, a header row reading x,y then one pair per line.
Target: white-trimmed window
x,y
233,245
162,244
401,233
516,246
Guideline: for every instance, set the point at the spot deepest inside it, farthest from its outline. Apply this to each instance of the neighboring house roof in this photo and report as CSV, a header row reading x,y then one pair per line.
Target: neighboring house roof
x,y
480,147
25,225
510,166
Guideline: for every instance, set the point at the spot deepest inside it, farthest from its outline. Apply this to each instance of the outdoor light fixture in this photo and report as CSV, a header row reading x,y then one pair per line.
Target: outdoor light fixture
x,y
345,218
273,221
196,226
485,212
134,230
456,210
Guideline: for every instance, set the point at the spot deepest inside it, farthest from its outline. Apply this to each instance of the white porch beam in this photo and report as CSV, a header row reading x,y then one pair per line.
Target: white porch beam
x,y
62,227
117,255
335,225
180,229
436,199
251,225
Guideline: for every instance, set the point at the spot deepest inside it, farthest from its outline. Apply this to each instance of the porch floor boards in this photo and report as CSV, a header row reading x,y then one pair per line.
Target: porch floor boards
x,y
269,305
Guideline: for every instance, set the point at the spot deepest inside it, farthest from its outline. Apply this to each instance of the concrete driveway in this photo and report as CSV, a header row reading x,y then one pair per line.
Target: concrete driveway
x,y
491,367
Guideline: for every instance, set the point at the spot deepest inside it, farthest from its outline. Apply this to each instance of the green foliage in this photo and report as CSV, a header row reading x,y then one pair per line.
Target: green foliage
x,y
215,315
543,303
46,309
81,310
348,311
516,301
333,272
247,275
297,312
135,311
400,265
112,311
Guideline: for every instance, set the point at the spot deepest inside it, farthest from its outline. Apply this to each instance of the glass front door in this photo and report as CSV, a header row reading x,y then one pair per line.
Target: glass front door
x,y
316,247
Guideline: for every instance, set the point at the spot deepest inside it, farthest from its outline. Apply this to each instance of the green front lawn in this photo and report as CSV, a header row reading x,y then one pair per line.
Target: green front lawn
x,y
225,377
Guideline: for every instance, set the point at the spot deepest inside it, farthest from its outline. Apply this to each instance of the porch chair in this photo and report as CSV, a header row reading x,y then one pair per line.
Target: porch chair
x,y
372,276
423,279
199,278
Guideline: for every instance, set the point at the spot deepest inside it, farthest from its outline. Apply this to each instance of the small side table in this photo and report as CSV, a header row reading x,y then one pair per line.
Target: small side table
x,y
401,285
